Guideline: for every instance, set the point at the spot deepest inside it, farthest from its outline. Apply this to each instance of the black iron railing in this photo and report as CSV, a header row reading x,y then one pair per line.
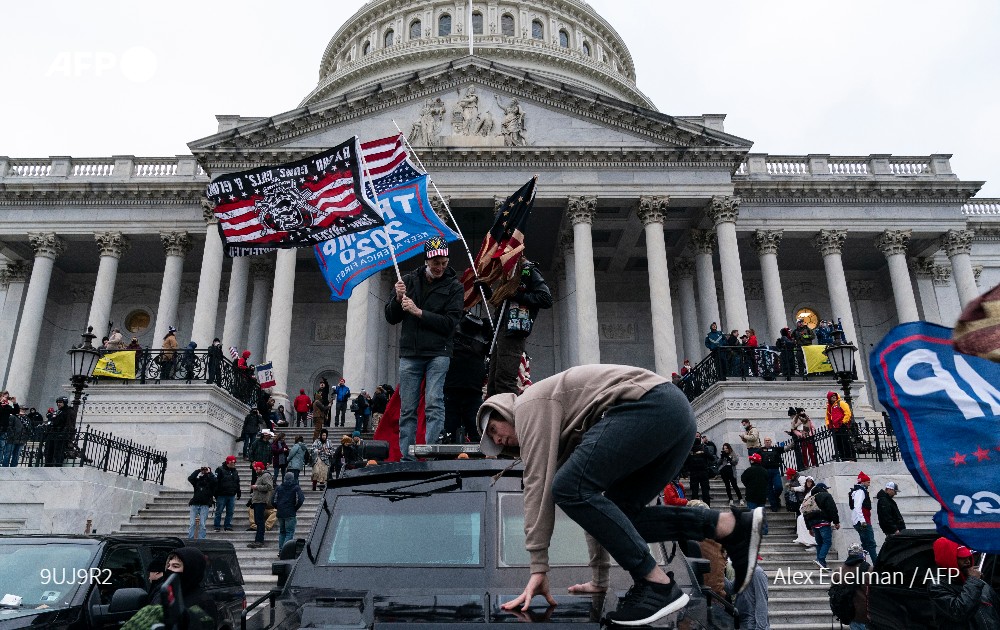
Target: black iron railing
x,y
860,440
45,446
191,366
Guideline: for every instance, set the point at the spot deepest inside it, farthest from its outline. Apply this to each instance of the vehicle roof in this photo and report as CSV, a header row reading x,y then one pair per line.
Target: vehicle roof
x,y
93,539
415,470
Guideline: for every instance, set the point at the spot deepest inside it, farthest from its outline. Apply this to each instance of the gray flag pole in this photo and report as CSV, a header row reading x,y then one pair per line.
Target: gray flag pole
x,y
388,240
444,202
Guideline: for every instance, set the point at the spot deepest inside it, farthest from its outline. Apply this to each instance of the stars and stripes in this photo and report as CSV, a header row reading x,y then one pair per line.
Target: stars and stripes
x,y
388,164
503,245
524,373
297,204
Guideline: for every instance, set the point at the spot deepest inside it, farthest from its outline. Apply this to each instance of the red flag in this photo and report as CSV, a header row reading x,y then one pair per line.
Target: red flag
x,y
388,426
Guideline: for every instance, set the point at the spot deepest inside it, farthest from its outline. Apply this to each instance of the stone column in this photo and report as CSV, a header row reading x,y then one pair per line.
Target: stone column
x,y
176,245
708,298
693,347
206,309
652,211
262,271
724,211
949,309
236,303
892,244
356,342
958,245
924,270
766,243
14,277
830,243
581,211
572,336
47,247
111,246
279,329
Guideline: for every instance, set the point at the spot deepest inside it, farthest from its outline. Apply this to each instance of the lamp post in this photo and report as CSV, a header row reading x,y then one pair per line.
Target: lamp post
x,y
841,356
83,357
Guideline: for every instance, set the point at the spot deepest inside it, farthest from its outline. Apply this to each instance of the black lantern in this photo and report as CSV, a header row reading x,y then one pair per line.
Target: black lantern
x,y
83,357
841,357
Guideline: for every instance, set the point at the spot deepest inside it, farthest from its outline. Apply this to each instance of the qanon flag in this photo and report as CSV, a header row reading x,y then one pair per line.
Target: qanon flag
x,y
297,204
945,411
409,221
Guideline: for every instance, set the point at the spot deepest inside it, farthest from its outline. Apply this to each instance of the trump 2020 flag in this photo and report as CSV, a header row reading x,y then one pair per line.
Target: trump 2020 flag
x,y
265,375
945,410
409,221
297,204
116,365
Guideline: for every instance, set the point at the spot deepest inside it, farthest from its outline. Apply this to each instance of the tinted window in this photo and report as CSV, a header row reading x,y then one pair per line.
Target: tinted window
x,y
568,546
586,49
123,568
537,30
367,48
388,39
44,574
441,529
415,29
564,39
444,26
477,23
507,25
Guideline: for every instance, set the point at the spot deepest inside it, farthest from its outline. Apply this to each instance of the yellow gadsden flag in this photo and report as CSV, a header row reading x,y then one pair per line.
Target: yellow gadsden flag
x,y
116,365
816,361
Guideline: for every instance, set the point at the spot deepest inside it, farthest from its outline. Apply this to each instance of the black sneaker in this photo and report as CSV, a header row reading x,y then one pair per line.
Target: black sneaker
x,y
646,602
743,545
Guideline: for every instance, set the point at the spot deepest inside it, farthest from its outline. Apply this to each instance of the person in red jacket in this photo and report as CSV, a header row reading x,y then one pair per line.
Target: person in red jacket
x,y
302,406
673,494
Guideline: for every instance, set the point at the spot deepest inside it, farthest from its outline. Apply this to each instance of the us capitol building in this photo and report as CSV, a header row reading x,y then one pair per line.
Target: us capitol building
x,y
647,226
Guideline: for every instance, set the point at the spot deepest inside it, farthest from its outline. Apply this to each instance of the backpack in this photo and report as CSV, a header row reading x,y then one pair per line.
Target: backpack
x,y
809,507
842,602
354,406
308,458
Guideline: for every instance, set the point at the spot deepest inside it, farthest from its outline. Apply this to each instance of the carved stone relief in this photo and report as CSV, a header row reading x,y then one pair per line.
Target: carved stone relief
x,y
471,119
618,331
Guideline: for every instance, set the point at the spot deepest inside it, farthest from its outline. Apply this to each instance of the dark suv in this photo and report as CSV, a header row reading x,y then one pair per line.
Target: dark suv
x,y
71,582
437,544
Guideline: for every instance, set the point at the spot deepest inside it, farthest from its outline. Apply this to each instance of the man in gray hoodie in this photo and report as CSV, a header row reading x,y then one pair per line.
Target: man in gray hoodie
x,y
601,442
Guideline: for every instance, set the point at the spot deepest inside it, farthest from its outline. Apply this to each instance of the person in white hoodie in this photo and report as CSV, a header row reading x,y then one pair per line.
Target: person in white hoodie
x,y
802,534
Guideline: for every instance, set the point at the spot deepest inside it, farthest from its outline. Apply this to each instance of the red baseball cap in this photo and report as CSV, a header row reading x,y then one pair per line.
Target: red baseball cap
x,y
231,459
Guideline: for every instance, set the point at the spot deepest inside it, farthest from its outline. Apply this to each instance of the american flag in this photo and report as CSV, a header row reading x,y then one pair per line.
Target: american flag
x,y
503,245
297,204
388,164
524,373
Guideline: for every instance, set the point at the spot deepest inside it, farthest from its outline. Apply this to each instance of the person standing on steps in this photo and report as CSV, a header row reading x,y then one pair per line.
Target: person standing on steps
x,y
263,490
227,492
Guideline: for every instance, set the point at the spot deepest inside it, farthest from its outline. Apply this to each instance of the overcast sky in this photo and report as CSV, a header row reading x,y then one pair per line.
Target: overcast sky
x,y
850,77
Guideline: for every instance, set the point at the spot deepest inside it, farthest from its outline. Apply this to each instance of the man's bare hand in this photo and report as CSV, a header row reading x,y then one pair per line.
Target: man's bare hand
x,y
587,588
537,585
410,307
400,290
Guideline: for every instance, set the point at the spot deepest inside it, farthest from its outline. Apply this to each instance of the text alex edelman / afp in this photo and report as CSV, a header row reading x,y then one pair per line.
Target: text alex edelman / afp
x,y
886,578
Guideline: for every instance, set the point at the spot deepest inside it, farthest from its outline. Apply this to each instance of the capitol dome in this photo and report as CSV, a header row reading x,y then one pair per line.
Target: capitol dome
x,y
564,40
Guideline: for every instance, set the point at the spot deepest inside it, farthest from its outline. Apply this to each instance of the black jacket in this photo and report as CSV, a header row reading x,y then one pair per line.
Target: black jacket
x,y
6,411
973,605
698,461
288,498
827,505
227,482
204,488
889,518
251,425
379,401
770,457
432,334
532,294
754,479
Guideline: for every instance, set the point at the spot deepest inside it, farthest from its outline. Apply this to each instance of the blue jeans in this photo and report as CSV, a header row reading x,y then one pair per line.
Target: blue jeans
x,y
621,465
867,534
9,454
286,531
201,511
774,488
753,506
227,503
413,370
824,539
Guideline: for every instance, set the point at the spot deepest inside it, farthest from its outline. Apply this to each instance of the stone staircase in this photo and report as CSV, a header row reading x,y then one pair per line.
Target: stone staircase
x,y
790,606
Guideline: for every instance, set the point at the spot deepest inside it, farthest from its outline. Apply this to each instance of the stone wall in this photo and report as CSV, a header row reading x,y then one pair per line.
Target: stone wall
x,y
62,500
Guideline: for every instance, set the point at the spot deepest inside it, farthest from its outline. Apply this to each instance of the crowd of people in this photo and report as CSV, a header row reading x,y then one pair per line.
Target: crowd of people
x,y
52,435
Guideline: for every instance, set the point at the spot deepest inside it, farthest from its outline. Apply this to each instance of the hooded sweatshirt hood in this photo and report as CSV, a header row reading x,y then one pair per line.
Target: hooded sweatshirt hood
x,y
245,354
503,405
194,568
830,395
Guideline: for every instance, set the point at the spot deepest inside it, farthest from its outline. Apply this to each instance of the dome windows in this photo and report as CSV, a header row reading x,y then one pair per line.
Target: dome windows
x,y
415,28
444,25
367,48
563,38
477,23
537,29
388,38
586,49
507,25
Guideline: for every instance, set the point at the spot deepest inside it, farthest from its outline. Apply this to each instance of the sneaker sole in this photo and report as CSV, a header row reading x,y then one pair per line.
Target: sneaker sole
x,y
756,536
671,608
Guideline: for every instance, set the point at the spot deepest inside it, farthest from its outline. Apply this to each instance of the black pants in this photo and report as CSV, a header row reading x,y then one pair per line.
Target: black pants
x,y
460,408
842,445
729,478
301,418
504,364
699,487
340,416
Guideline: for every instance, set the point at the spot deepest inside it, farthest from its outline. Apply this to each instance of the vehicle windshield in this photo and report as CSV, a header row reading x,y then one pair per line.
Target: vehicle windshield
x,y
371,530
567,548
44,574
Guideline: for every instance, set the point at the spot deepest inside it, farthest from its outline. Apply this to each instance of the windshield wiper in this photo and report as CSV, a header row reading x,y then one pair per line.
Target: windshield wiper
x,y
398,493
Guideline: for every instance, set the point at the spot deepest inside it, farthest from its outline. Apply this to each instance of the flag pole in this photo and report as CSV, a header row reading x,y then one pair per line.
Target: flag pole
x,y
444,202
392,250
470,27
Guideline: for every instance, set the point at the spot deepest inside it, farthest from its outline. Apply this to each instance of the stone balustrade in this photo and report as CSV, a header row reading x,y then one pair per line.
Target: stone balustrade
x,y
982,207
879,166
116,168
